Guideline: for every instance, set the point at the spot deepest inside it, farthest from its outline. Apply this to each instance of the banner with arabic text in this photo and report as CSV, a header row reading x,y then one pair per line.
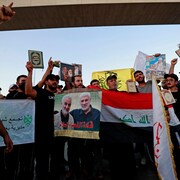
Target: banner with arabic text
x,y
18,118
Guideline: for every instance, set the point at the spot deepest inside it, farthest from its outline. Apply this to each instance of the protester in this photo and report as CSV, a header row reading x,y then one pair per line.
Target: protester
x,y
13,88
111,82
44,117
171,70
77,82
94,84
118,147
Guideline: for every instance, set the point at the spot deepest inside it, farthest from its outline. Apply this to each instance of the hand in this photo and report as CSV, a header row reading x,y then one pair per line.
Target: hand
x,y
129,80
29,66
157,54
56,63
6,12
50,64
174,61
9,144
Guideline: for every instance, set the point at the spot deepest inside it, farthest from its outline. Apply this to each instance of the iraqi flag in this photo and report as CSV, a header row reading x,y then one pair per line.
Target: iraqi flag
x,y
132,109
126,117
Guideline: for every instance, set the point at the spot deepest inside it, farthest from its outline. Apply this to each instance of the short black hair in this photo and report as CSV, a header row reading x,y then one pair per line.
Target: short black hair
x,y
94,80
73,78
138,71
52,77
174,76
20,76
111,77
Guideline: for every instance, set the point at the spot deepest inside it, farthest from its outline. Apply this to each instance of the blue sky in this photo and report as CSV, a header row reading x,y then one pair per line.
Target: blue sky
x,y
96,48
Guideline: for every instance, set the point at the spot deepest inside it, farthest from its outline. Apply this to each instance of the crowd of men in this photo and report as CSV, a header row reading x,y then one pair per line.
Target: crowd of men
x,y
45,159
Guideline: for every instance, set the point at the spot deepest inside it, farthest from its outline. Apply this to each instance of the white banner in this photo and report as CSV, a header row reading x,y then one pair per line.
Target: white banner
x,y
18,118
162,143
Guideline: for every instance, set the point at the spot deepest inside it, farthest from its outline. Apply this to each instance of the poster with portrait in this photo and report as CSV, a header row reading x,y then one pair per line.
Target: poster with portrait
x,y
155,65
77,69
36,57
69,70
66,70
77,114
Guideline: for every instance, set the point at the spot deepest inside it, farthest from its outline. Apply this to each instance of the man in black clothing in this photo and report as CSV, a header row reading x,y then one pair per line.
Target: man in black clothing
x,y
44,117
12,90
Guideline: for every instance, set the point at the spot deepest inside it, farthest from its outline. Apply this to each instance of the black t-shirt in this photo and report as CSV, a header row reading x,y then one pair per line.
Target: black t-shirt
x,y
44,118
16,95
11,94
176,105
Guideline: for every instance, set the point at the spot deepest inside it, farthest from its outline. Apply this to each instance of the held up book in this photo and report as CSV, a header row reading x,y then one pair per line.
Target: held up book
x,y
131,87
168,97
36,57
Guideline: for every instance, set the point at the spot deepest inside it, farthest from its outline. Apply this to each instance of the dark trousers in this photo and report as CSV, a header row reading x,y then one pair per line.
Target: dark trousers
x,y
58,162
121,160
26,162
81,157
12,162
42,158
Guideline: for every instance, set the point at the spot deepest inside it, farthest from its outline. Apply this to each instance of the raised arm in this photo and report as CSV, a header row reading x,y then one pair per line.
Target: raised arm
x,y
48,71
29,91
7,140
6,13
173,63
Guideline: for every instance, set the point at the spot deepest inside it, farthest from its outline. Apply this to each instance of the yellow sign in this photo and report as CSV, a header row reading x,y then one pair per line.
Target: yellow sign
x,y
122,76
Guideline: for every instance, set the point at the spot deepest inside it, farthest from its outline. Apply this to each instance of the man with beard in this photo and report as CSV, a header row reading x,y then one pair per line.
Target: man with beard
x,y
77,82
143,87
44,117
62,120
